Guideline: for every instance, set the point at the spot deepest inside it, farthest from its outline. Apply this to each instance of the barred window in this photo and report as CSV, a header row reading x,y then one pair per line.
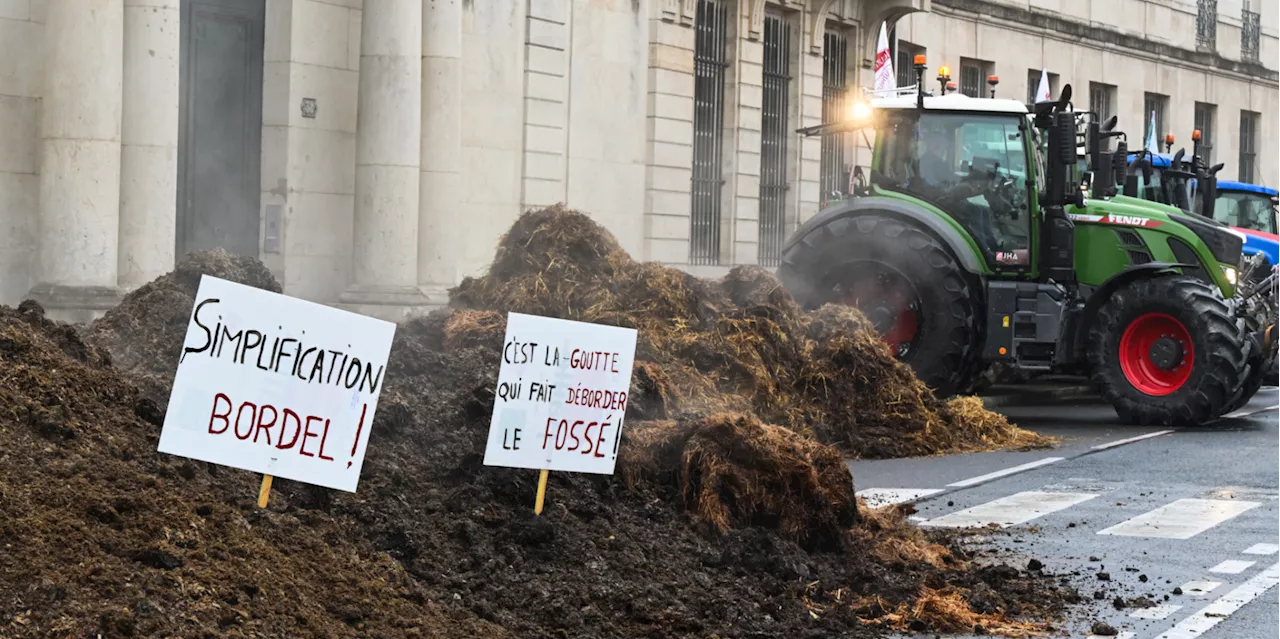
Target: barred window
x,y
710,61
1248,144
1206,115
774,130
1207,23
1154,103
1102,99
835,86
904,68
1250,30
1033,85
973,77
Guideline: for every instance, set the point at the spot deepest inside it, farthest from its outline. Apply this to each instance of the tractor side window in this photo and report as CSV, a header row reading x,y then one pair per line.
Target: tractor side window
x,y
992,160
1245,210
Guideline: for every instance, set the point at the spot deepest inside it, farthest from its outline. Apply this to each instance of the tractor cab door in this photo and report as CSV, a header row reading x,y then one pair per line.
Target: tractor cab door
x,y
972,166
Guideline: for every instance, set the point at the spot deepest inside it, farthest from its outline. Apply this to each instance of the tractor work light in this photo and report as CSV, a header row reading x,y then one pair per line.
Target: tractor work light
x,y
860,111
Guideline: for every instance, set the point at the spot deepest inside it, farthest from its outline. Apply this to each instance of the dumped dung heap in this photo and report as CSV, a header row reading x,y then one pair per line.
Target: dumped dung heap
x,y
740,344
732,512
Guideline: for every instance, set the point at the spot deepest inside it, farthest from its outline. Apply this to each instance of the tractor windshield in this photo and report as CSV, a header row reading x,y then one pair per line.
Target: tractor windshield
x,y
1252,211
973,166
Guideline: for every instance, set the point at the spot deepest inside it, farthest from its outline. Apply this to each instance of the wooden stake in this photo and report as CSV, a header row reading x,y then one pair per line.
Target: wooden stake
x,y
542,491
264,492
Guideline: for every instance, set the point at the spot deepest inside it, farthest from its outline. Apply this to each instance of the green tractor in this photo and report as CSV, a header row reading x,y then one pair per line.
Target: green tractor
x,y
970,242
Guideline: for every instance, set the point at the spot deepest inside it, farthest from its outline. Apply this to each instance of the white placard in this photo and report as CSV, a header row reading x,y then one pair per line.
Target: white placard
x,y
276,385
561,396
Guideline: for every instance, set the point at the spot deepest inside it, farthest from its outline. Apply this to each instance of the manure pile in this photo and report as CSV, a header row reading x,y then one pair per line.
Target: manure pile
x,y
732,512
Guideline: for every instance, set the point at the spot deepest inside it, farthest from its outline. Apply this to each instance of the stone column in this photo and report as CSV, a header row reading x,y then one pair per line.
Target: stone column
x,y
80,161
388,156
440,227
149,141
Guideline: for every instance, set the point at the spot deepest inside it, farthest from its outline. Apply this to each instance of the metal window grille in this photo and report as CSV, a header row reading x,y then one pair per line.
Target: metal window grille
x,y
1250,30
1207,23
835,55
971,80
1204,122
773,138
1248,144
905,68
1153,103
710,62
1100,99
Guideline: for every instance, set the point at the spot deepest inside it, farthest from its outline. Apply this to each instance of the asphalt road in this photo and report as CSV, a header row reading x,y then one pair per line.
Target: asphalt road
x,y
1159,511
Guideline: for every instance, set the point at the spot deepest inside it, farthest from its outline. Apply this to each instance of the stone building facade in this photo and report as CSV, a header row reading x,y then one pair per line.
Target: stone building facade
x,y
371,152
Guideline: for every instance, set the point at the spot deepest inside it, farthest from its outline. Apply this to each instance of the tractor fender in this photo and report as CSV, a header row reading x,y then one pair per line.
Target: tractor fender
x,y
953,239
1103,292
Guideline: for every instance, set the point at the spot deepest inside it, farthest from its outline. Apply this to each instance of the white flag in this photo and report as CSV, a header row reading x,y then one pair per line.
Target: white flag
x,y
884,64
1042,92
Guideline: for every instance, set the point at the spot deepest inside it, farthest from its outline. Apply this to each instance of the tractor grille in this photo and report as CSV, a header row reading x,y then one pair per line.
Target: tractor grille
x,y
1129,238
1139,257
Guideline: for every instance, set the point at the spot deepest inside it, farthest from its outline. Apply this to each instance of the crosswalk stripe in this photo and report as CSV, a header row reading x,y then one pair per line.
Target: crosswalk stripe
x,y
1124,634
965,483
1009,511
1262,549
1155,612
1182,519
1121,442
877,497
1199,588
1211,615
1232,567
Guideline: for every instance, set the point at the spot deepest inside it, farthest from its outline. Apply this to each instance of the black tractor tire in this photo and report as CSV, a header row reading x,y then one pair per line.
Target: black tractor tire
x,y
1193,312
945,355
1261,367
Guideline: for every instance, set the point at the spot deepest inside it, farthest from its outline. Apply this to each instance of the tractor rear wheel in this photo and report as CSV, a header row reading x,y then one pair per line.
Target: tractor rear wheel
x,y
907,283
1166,350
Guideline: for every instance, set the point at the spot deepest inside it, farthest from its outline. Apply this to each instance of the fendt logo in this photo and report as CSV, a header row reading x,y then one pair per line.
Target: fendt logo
x,y
1121,220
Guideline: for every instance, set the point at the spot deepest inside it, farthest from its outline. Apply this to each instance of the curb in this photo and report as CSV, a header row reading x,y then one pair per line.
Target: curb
x,y
1034,396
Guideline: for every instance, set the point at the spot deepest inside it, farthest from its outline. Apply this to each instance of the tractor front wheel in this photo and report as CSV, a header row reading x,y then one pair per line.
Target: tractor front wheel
x,y
1167,351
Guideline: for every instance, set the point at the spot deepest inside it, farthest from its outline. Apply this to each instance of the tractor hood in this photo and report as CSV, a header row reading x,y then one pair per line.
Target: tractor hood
x,y
1222,241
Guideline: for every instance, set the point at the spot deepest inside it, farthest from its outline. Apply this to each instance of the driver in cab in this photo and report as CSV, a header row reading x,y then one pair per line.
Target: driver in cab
x,y
935,178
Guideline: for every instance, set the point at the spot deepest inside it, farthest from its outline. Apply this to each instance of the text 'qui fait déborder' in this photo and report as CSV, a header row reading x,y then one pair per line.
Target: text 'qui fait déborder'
x,y
560,432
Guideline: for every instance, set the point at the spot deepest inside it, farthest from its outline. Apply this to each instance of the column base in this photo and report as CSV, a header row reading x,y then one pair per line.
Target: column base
x,y
390,303
437,294
75,304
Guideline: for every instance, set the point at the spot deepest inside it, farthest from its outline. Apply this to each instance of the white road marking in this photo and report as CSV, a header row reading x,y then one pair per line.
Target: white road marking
x,y
1011,510
877,497
1245,412
1199,588
1232,567
1181,519
1155,612
1124,634
964,483
1196,625
1262,549
1121,442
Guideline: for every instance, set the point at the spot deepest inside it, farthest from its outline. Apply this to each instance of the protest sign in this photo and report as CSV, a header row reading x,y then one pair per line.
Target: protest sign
x,y
561,396
276,385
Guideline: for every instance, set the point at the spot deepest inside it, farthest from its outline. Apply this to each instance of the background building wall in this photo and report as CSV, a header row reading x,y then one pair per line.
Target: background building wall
x,y
21,85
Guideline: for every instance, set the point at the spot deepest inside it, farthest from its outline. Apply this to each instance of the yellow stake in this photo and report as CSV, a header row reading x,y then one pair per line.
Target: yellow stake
x,y
542,491
265,491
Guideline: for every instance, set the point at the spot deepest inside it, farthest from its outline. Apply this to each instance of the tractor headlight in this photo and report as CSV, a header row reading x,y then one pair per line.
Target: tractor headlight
x,y
1230,273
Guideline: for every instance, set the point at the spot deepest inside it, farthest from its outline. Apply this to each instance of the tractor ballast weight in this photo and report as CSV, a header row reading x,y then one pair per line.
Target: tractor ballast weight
x,y
961,262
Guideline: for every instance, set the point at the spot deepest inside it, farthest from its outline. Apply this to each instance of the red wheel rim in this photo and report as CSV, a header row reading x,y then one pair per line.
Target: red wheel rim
x,y
1136,360
887,292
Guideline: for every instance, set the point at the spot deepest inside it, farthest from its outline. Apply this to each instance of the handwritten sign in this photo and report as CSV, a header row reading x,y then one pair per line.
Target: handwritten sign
x,y
561,396
276,385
